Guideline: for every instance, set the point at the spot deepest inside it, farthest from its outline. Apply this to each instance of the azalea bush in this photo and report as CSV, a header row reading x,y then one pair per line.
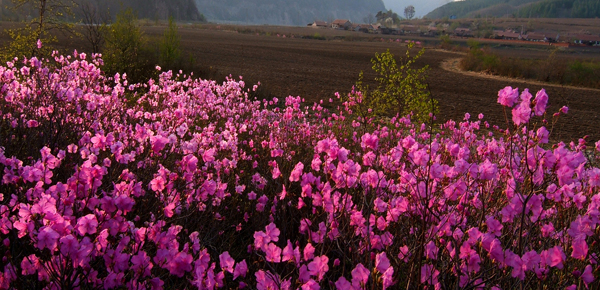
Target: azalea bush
x,y
187,183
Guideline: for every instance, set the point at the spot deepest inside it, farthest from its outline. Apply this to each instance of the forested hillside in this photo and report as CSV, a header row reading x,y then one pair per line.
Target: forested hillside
x,y
181,10
287,12
520,8
562,9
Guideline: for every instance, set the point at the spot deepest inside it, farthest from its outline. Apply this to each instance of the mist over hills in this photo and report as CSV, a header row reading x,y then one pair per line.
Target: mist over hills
x,y
519,8
287,12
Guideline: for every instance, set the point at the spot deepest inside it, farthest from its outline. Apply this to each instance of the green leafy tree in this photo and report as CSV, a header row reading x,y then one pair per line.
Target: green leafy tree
x,y
126,50
400,89
170,53
409,12
387,16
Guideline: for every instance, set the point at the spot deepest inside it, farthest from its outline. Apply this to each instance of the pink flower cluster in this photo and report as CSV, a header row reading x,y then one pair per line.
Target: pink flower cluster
x,y
186,183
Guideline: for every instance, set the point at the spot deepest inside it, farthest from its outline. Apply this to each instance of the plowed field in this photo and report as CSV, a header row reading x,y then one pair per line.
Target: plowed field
x,y
316,69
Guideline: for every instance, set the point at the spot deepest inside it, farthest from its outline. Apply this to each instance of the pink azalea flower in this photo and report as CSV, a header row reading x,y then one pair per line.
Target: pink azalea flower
x,y
521,113
309,251
113,280
541,100
382,263
517,264
180,263
30,265
488,170
508,96
404,253
369,158
288,252
388,278
264,281
157,184
496,252
360,275
241,268
311,285
421,157
318,267
158,142
273,253
87,225
272,232
369,141
580,249
141,262
588,275
431,251
69,245
343,284
494,226
297,172
209,155
429,274
226,262
470,257
564,109
303,274
554,257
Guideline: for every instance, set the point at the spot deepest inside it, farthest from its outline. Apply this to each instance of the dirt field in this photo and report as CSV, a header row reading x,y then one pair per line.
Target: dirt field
x,y
316,69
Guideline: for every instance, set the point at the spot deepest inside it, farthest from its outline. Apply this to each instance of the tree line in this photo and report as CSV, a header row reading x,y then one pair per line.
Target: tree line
x,y
562,8
520,8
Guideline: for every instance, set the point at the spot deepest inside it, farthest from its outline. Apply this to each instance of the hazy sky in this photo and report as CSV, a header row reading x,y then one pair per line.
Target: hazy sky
x,y
422,7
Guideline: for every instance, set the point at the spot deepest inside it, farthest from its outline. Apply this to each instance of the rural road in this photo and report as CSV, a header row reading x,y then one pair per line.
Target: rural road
x,y
453,65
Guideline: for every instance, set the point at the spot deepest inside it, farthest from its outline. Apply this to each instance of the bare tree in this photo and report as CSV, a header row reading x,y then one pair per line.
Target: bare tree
x,y
94,23
50,14
409,12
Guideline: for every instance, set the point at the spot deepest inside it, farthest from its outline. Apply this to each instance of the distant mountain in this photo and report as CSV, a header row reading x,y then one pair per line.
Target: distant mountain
x,y
180,10
520,8
287,12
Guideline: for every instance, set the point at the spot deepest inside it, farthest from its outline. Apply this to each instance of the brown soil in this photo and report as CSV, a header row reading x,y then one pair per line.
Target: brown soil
x,y
316,69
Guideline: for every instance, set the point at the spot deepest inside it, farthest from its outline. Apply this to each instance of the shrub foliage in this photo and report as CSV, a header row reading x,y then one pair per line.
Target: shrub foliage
x,y
401,88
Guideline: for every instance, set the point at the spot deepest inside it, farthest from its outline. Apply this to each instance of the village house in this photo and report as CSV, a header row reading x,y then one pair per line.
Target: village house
x,y
507,35
341,24
431,31
319,24
464,32
387,30
366,28
586,39
537,37
410,29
